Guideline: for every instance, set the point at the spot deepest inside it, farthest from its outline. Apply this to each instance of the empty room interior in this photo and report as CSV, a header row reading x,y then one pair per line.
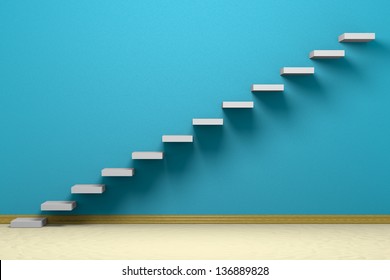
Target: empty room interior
x,y
194,130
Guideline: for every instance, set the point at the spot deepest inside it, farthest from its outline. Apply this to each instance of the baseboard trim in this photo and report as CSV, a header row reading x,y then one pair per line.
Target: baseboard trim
x,y
208,219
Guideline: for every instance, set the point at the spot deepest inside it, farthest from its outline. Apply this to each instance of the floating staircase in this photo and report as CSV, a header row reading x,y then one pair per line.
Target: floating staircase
x,y
147,155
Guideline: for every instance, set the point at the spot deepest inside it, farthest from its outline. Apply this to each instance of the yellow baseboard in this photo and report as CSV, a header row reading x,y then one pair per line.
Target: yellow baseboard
x,y
208,219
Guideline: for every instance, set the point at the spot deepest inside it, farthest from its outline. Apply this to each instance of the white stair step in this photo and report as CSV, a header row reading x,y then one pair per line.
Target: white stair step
x,y
324,54
267,87
297,71
88,189
118,172
28,222
237,104
147,155
207,121
177,138
58,205
357,37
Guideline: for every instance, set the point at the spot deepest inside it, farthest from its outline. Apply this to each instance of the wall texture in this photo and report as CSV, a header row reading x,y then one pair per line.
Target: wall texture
x,y
84,83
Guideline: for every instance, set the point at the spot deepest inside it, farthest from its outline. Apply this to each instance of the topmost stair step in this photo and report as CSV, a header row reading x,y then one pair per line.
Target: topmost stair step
x,y
28,222
267,87
297,71
324,54
356,37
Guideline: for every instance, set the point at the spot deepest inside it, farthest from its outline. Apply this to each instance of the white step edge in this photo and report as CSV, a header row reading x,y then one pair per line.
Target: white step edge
x,y
58,205
88,189
267,87
28,222
118,172
324,54
296,71
177,138
207,121
357,37
238,104
147,155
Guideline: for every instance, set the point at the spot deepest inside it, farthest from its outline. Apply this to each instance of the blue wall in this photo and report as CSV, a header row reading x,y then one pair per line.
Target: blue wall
x,y
84,83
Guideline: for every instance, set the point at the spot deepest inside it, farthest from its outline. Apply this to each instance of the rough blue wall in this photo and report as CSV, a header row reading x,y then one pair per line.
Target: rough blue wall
x,y
84,83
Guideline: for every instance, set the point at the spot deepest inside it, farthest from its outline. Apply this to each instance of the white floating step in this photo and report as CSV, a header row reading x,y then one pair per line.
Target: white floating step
x,y
324,54
177,138
118,172
28,222
147,155
267,87
58,205
88,189
237,104
207,121
357,37
297,71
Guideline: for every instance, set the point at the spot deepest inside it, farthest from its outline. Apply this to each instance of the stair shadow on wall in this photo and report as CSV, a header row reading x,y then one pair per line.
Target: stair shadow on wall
x,y
178,157
342,66
275,103
209,139
306,84
119,190
242,121
377,47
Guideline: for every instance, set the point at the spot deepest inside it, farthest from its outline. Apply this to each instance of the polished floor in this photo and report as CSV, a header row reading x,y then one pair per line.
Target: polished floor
x,y
193,242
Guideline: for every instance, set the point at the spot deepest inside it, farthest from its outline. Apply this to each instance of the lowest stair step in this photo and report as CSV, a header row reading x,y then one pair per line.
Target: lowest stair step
x,y
177,138
237,104
356,37
28,222
207,121
297,71
88,189
326,54
58,205
267,87
147,155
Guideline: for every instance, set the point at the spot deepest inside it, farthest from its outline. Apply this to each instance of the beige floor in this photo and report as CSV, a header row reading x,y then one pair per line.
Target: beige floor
x,y
196,242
